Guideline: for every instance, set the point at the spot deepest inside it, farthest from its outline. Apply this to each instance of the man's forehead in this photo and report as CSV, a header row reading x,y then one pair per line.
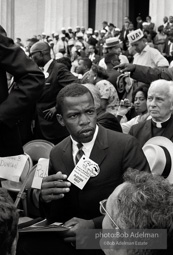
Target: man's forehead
x,y
159,88
87,98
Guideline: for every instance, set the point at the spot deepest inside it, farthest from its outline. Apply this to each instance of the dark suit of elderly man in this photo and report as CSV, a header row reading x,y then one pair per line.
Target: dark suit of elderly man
x,y
29,82
57,76
160,107
63,201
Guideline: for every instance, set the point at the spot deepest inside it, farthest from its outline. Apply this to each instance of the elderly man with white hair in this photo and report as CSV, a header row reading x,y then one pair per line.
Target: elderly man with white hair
x,y
160,107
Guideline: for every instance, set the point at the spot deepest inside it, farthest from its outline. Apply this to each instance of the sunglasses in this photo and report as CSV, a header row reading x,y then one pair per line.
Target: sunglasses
x,y
103,211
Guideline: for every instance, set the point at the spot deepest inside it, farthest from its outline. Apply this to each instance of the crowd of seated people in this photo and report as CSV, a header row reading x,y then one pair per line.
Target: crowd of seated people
x,y
122,102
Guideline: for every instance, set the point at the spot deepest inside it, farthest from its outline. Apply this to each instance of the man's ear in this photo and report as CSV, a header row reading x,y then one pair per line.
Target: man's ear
x,y
60,119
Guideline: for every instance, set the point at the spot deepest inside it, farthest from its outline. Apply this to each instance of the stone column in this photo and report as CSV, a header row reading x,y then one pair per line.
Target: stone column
x,y
65,13
112,11
160,9
7,16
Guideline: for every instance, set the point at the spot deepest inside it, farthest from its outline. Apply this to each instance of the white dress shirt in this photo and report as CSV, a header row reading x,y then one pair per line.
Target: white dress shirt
x,y
87,147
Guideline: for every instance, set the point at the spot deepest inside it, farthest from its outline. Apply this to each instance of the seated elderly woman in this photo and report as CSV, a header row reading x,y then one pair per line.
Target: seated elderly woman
x,y
109,96
143,202
8,224
139,99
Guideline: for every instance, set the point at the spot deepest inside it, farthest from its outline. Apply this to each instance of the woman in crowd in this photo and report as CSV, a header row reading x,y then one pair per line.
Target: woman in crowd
x,y
109,97
140,104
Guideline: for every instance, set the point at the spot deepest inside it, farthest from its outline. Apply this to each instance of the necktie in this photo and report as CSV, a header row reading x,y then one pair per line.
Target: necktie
x,y
80,152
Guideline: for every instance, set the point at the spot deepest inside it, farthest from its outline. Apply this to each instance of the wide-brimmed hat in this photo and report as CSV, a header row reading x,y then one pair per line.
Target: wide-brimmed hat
x,y
135,35
159,153
112,42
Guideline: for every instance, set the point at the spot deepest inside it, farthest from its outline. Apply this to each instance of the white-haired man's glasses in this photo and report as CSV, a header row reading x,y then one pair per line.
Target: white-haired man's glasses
x,y
105,212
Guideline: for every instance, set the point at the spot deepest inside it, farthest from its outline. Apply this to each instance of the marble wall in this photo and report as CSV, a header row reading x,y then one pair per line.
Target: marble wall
x,y
160,8
112,11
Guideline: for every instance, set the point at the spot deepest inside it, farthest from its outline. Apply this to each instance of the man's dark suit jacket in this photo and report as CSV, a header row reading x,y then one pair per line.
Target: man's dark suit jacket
x,y
143,131
29,83
59,77
114,152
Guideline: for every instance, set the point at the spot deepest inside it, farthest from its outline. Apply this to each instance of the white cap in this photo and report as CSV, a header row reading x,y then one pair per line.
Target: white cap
x,y
80,34
135,35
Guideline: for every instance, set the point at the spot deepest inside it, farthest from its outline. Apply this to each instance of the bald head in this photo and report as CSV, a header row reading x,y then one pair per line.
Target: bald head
x,y
165,86
40,47
40,53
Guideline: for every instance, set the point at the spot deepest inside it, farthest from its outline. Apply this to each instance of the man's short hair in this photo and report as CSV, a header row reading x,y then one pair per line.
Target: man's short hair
x,y
110,56
87,62
145,202
72,90
8,222
66,61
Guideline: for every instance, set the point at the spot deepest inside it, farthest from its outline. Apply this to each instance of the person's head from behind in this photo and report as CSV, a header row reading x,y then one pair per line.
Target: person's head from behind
x,y
112,59
160,29
66,61
8,224
95,93
139,98
143,201
84,65
160,100
76,111
40,53
96,74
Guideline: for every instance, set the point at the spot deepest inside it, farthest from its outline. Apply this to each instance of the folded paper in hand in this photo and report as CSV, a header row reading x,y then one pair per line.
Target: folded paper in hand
x,y
40,172
12,167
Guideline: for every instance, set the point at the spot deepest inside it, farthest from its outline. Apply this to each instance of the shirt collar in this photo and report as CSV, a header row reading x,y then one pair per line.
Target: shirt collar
x,y
161,124
87,147
46,66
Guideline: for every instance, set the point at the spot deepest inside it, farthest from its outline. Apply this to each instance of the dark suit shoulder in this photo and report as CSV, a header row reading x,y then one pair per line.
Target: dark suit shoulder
x,y
60,146
137,127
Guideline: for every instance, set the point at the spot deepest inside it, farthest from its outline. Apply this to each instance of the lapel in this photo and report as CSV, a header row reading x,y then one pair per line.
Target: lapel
x,y
67,155
168,132
99,150
147,134
49,70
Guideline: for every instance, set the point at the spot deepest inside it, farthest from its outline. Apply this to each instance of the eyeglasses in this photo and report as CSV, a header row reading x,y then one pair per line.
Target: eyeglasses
x,y
105,212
